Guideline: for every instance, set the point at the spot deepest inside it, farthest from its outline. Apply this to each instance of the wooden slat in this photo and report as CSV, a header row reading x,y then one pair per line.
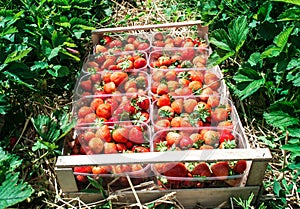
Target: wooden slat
x,y
256,173
147,27
206,197
96,34
66,179
163,157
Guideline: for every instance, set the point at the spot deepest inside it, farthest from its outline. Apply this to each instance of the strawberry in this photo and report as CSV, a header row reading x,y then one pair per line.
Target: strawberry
x,y
118,77
136,135
120,135
86,85
96,145
159,36
220,169
140,63
103,133
162,88
143,102
201,169
100,170
104,110
175,169
109,148
177,106
189,105
165,112
219,114
163,100
83,169
115,43
173,138
240,166
83,111
212,81
211,138
186,142
139,148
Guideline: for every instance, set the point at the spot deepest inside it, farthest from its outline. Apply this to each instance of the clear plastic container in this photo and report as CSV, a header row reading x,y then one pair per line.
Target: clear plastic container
x,y
195,181
112,82
183,58
193,111
90,110
121,60
199,174
170,39
186,82
123,42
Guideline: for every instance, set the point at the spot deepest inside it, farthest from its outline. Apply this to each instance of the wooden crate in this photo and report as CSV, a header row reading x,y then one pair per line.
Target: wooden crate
x,y
188,198
208,197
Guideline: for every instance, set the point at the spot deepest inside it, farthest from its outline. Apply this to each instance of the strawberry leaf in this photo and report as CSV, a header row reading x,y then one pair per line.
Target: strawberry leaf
x,y
280,119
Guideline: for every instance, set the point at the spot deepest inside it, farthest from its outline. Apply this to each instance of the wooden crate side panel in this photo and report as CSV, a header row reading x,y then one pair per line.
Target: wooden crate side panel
x,y
66,179
98,33
263,155
209,197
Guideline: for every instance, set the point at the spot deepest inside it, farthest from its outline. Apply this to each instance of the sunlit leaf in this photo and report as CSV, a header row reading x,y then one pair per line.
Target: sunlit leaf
x,y
17,55
54,52
296,2
251,88
291,148
290,14
271,51
58,71
281,39
221,39
280,119
238,31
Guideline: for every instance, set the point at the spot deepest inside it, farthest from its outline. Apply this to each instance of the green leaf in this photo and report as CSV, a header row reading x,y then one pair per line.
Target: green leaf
x,y
295,79
291,147
290,14
215,59
277,187
76,58
54,52
294,63
40,145
296,2
255,59
16,79
251,88
4,105
238,30
281,39
46,127
58,71
280,119
17,55
13,191
294,132
221,39
271,51
39,65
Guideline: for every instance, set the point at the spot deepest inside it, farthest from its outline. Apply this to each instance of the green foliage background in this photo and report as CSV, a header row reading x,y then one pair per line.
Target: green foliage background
x,y
43,44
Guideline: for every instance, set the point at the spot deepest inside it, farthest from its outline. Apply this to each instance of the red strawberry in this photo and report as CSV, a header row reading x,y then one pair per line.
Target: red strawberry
x,y
220,169
175,169
240,166
86,85
201,169
83,169
143,102
136,135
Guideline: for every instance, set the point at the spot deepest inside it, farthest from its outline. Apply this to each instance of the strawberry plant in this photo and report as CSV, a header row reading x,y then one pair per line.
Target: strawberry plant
x,y
12,189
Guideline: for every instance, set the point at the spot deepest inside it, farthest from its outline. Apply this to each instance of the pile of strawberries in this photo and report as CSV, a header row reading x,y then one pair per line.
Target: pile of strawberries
x,y
153,93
